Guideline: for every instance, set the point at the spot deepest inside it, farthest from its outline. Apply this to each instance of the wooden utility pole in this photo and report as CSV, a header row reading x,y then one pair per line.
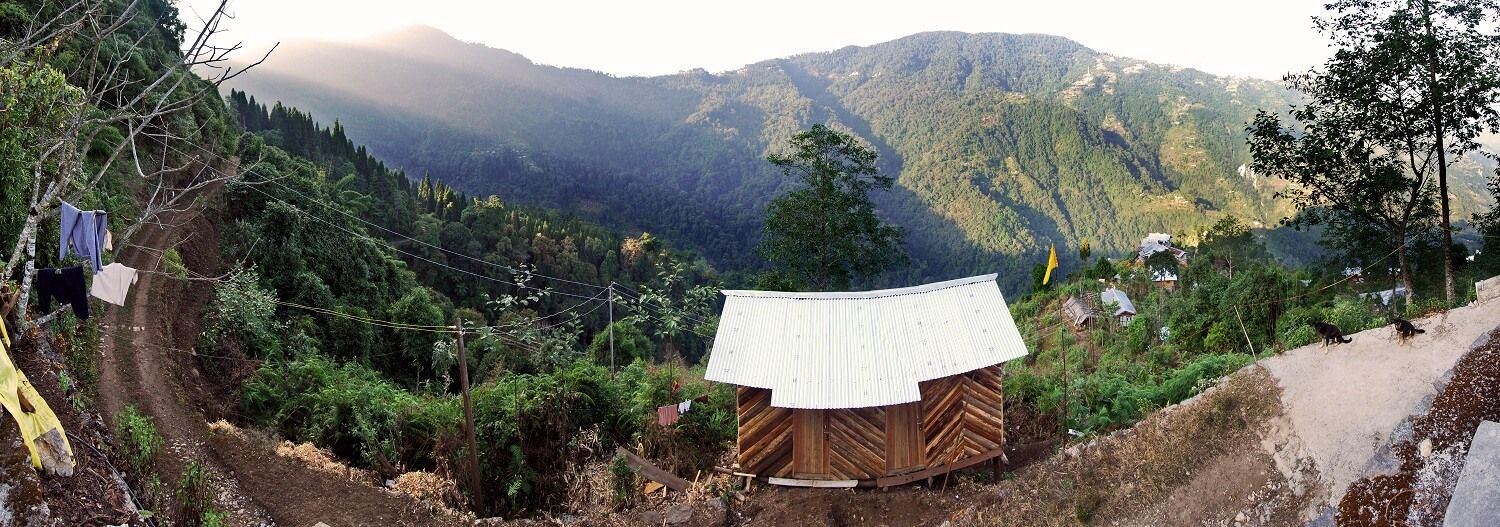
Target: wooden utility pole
x,y
463,382
611,328
1243,330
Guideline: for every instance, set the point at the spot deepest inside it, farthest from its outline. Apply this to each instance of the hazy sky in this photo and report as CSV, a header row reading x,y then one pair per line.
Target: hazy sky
x,y
1263,38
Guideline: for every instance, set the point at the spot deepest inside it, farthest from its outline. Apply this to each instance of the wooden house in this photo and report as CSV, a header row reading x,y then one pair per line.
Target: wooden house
x,y
1079,312
1124,308
871,388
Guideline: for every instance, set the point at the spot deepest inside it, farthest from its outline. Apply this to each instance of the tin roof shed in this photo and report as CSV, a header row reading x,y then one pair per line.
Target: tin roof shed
x,y
1122,302
861,349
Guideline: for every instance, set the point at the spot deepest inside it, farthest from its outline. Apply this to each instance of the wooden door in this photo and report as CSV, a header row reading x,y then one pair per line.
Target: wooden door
x,y
809,444
904,449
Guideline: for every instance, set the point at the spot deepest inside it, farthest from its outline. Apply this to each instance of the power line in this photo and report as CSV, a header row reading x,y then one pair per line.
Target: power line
x,y
340,210
620,287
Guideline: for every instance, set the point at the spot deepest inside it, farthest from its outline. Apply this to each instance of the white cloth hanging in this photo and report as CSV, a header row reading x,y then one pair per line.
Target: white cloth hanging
x,y
113,283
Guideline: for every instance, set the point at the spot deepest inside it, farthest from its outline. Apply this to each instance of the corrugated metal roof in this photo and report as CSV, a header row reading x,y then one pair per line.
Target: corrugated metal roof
x,y
1078,311
861,349
1118,297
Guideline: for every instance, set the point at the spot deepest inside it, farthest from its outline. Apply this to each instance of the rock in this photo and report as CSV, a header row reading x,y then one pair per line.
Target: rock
x,y
1241,518
715,504
1425,447
567,519
651,518
1477,494
679,514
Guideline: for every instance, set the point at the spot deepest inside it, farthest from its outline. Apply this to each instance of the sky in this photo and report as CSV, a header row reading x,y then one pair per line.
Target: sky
x,y
1264,38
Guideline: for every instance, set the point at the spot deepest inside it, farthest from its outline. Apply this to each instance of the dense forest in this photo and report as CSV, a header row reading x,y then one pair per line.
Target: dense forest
x,y
1002,144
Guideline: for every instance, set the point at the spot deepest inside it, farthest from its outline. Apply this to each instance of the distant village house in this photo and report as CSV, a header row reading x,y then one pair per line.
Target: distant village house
x,y
1124,309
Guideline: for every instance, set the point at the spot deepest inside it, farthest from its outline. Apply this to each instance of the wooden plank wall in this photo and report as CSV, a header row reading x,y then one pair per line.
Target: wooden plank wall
x,y
765,434
963,415
960,417
905,450
856,443
809,444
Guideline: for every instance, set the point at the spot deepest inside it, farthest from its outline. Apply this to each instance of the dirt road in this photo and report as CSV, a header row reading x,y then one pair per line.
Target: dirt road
x,y
144,365
1341,404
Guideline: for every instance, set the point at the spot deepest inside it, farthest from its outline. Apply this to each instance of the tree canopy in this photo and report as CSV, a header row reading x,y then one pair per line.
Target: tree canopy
x,y
825,234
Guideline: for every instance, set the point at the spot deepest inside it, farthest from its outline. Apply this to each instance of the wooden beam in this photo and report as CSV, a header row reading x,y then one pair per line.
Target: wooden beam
x,y
942,469
817,483
649,471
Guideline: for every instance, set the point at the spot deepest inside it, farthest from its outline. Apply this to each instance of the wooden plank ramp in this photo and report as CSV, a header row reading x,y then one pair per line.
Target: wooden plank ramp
x,y
817,483
651,472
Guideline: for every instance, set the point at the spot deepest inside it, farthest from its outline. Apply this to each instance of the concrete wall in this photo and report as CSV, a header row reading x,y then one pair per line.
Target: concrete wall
x,y
1488,290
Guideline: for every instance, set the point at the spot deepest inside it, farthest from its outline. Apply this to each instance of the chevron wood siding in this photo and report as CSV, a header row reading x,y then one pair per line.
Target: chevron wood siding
x,y
958,417
856,443
962,415
765,434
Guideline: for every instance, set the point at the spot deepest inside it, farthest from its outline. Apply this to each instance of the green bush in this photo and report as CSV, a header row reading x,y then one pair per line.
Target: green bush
x,y
1353,315
348,408
243,314
140,440
623,482
195,505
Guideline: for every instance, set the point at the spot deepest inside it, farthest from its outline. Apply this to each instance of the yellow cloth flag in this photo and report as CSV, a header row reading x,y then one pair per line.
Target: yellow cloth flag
x,y
1051,264
40,430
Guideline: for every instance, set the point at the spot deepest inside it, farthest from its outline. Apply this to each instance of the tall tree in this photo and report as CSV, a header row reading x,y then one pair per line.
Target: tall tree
x,y
1342,177
1425,74
825,234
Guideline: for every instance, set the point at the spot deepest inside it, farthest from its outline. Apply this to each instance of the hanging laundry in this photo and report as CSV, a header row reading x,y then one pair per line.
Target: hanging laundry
x,y
667,415
42,433
113,283
109,240
684,406
66,286
83,233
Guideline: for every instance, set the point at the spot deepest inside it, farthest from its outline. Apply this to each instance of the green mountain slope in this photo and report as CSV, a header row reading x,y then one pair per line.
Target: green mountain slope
x,y
1003,143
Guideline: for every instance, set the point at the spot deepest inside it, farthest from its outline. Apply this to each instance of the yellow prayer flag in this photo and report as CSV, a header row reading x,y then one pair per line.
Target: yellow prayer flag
x,y
1051,264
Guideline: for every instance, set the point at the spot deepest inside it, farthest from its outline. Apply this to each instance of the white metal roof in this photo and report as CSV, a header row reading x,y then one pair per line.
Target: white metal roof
x,y
861,349
1122,302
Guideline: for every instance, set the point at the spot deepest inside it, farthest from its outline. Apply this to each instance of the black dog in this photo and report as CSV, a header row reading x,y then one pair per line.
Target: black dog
x,y
1405,329
1330,333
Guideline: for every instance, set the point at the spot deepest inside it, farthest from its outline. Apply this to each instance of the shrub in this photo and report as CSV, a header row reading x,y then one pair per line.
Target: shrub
x,y
1353,315
195,506
623,481
244,312
141,442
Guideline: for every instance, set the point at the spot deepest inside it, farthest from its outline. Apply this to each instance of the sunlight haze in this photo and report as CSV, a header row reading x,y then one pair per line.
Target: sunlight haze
x,y
1257,39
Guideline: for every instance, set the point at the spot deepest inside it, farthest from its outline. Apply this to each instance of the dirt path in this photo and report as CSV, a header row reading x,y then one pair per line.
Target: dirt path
x,y
141,365
1343,403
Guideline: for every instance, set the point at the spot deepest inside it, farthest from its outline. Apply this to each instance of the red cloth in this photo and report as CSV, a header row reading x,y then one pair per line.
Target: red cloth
x,y
666,415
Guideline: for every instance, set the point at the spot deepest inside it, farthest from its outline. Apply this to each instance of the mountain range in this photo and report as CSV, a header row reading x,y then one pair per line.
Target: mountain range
x,y
1002,144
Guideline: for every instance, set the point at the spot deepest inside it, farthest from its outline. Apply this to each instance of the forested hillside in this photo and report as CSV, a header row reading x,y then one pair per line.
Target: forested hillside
x,y
1003,143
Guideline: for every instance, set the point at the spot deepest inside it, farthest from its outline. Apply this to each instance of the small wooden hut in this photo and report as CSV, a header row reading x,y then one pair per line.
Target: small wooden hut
x,y
1079,312
871,388
1124,308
